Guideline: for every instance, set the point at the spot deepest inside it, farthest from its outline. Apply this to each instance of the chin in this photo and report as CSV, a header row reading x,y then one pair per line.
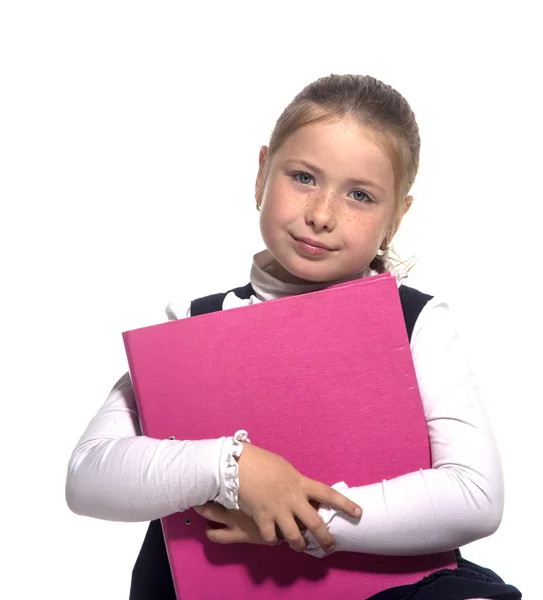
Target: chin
x,y
320,272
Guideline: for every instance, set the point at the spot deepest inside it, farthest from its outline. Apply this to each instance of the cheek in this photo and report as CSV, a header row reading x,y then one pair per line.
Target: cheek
x,y
383,219
281,200
368,230
277,189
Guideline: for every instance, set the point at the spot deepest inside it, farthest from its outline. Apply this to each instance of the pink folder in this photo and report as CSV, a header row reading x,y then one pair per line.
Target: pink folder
x,y
324,379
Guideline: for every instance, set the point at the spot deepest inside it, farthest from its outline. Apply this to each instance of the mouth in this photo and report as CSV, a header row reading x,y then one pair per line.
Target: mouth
x,y
312,247
314,243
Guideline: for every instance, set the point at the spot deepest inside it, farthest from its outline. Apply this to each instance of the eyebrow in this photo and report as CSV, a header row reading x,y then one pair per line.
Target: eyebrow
x,y
365,182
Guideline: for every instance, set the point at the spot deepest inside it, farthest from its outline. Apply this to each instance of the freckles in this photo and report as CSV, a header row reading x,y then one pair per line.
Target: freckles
x,y
313,201
352,218
349,217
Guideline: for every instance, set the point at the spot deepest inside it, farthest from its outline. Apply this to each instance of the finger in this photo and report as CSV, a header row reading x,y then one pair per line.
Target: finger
x,y
213,512
227,536
292,535
327,495
310,518
267,532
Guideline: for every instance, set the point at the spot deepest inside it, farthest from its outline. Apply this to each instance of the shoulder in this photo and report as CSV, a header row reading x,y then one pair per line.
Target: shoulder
x,y
183,308
412,295
413,303
178,309
427,316
435,326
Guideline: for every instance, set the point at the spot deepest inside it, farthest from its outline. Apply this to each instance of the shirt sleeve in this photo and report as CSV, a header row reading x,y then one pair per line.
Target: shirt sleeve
x,y
457,501
116,473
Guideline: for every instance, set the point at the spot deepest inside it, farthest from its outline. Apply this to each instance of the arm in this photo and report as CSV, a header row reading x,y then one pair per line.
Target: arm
x,y
460,499
117,474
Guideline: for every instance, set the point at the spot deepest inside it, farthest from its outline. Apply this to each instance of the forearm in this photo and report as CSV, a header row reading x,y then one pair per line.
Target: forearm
x,y
425,512
141,479
458,500
115,473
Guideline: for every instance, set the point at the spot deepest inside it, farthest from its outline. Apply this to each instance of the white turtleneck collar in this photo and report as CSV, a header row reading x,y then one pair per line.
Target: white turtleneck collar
x,y
267,287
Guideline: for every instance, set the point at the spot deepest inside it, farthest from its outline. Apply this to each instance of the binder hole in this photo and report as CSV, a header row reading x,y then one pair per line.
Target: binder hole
x,y
188,521
172,437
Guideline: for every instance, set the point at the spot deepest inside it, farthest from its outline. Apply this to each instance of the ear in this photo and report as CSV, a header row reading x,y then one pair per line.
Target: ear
x,y
262,155
259,184
407,203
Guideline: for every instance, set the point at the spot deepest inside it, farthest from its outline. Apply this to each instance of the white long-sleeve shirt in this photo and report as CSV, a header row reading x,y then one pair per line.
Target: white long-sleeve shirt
x,y
116,473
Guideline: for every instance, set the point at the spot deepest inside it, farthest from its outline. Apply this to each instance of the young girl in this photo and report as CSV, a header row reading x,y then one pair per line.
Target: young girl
x,y
332,189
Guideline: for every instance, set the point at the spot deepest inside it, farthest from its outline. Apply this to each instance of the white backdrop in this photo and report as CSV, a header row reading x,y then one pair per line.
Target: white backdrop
x,y
129,135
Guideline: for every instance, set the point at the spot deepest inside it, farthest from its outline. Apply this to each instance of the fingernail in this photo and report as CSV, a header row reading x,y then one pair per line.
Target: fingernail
x,y
357,512
330,548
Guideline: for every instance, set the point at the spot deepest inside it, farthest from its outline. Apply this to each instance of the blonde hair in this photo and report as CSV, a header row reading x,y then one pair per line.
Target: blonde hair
x,y
374,105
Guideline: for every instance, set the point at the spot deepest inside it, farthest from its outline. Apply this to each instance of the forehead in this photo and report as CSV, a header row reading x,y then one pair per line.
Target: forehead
x,y
343,148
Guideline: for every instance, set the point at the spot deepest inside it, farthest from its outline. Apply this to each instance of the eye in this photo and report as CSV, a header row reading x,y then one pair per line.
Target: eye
x,y
304,178
361,196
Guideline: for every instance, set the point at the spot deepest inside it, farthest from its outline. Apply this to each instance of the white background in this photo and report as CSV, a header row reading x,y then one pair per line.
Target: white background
x,y
129,136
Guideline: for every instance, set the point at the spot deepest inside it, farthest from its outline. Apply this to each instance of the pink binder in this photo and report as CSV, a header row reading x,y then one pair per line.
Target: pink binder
x,y
324,379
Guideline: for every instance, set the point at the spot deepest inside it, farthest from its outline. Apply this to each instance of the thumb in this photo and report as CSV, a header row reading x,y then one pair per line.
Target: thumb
x,y
213,512
226,535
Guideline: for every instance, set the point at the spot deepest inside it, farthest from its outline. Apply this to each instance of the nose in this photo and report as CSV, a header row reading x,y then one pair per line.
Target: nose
x,y
321,213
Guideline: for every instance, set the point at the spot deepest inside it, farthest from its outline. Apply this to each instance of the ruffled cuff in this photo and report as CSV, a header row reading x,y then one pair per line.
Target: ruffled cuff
x,y
327,514
229,474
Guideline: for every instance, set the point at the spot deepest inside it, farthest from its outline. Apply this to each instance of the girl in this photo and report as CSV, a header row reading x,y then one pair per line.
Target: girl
x,y
332,188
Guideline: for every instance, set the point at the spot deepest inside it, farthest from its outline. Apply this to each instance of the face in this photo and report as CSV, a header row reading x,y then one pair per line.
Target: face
x,y
327,202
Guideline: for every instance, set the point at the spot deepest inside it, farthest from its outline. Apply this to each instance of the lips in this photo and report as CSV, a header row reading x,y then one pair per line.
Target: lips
x,y
314,243
312,248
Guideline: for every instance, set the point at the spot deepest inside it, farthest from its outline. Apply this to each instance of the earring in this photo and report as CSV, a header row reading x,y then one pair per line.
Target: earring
x,y
258,206
383,248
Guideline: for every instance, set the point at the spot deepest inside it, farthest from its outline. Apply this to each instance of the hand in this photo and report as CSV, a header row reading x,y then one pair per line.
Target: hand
x,y
240,528
274,494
